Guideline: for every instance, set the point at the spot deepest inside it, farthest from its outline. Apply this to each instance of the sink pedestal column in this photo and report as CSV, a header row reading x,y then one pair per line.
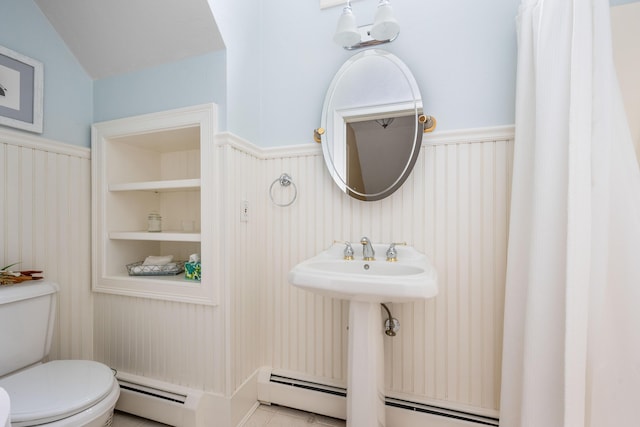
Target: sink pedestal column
x,y
365,382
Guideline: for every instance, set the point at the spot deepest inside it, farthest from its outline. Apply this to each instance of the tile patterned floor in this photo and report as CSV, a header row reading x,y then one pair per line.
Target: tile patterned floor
x,y
122,419
264,416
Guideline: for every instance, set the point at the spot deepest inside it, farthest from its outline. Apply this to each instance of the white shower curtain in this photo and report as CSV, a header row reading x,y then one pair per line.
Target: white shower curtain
x,y
571,354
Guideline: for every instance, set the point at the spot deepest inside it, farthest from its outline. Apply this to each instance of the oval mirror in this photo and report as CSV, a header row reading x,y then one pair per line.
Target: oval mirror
x,y
371,119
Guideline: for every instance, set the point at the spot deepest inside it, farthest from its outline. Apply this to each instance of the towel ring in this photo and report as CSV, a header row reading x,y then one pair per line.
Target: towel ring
x,y
285,180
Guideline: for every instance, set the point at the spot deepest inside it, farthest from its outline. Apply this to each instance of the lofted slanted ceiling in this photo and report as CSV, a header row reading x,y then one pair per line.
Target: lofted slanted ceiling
x,y
112,37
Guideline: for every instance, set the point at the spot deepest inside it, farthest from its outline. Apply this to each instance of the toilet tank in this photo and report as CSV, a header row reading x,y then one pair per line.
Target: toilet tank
x,y
27,315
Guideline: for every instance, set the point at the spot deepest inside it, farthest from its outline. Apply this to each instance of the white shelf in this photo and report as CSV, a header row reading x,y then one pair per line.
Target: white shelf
x,y
167,185
177,279
163,236
170,288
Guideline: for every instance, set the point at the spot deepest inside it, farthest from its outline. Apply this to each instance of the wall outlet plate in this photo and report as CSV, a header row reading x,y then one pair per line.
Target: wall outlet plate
x,y
244,211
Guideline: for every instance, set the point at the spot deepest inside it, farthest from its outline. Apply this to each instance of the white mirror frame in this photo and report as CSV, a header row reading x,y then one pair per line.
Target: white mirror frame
x,y
335,119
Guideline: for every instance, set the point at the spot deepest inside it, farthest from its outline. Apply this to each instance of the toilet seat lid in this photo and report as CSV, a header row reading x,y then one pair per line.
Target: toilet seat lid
x,y
56,389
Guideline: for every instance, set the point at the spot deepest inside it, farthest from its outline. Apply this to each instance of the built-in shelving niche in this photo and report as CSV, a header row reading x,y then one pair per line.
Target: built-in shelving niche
x,y
161,163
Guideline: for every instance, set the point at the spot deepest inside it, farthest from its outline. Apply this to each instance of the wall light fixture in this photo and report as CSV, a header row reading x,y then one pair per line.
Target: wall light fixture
x,y
347,33
384,29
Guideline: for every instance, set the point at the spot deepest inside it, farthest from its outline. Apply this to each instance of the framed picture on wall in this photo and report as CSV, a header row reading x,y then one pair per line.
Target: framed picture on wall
x,y
21,88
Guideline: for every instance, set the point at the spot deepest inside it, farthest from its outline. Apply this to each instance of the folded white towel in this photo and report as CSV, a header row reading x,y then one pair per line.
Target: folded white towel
x,y
158,260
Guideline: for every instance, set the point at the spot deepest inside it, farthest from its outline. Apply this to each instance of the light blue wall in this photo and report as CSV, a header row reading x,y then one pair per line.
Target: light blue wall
x,y
73,101
279,61
242,30
67,88
196,80
462,54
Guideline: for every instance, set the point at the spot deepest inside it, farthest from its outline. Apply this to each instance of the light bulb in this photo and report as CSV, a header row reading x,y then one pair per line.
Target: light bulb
x,y
347,33
385,26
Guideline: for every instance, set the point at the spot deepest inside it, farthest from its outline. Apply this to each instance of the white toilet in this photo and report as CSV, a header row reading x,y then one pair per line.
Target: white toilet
x,y
57,393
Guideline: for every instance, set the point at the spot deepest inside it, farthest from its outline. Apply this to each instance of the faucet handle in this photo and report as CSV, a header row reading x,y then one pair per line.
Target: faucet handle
x,y
392,252
348,251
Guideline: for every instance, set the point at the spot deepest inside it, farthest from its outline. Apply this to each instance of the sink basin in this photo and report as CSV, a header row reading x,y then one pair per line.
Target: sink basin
x,y
366,284
410,278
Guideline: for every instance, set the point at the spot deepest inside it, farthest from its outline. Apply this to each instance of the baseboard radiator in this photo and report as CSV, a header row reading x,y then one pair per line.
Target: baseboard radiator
x,y
328,400
163,402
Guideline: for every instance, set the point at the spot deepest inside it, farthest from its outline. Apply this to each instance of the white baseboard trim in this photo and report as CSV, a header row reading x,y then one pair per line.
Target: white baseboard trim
x,y
160,401
304,396
185,407
331,401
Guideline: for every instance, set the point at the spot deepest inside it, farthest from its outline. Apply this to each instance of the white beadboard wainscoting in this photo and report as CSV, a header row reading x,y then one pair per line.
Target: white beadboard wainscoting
x,y
453,207
45,224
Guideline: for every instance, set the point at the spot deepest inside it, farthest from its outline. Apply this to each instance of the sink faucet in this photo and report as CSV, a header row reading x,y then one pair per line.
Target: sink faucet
x,y
368,254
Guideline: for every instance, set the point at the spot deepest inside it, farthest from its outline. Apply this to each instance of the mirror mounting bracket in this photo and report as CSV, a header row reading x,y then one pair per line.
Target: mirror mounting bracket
x,y
317,135
428,123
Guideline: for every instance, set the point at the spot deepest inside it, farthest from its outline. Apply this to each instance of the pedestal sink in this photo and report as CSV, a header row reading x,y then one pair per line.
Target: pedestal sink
x,y
366,284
